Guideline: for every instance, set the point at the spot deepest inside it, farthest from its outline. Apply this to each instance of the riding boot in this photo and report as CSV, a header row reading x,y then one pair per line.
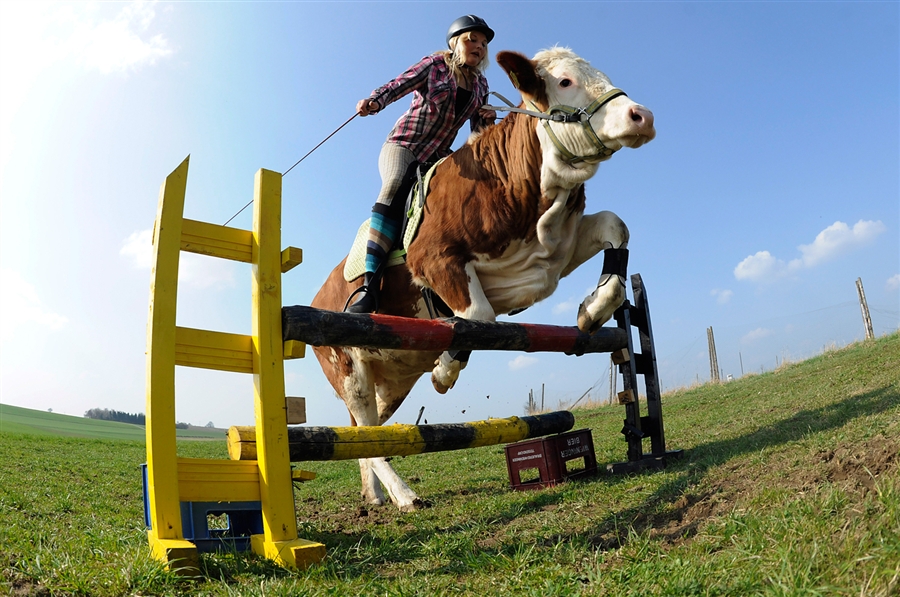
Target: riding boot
x,y
384,229
368,296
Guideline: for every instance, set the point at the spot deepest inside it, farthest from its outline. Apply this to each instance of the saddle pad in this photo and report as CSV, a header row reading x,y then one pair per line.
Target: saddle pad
x,y
355,266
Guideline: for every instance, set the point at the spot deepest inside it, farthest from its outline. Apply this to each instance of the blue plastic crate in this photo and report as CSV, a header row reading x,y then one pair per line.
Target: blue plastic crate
x,y
243,518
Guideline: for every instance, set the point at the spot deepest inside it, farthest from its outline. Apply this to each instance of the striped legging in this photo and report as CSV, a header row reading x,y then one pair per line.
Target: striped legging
x,y
397,167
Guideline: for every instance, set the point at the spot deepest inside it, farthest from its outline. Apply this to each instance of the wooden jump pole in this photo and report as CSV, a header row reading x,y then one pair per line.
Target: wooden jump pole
x,y
346,443
328,328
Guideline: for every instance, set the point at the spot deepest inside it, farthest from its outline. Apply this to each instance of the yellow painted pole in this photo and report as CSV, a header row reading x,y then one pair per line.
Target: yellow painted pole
x,y
166,537
279,541
350,443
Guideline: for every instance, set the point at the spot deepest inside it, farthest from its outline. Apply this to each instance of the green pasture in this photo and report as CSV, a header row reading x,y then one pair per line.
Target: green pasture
x,y
14,419
789,486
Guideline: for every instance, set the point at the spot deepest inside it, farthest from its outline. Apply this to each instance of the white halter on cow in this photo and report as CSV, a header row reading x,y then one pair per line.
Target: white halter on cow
x,y
504,222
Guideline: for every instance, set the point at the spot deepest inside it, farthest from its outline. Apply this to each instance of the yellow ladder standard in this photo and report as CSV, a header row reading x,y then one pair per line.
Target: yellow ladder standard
x,y
172,480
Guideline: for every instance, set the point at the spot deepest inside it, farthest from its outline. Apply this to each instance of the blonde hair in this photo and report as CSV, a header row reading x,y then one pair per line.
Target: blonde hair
x,y
455,58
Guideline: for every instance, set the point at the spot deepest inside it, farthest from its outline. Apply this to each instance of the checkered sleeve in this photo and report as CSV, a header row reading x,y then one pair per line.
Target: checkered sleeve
x,y
413,78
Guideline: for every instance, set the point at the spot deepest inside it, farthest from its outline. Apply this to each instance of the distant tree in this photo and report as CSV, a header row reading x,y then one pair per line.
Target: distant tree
x,y
210,425
49,410
182,425
103,414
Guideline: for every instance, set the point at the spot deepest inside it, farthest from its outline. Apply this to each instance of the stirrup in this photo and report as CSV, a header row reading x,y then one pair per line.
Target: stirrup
x,y
367,303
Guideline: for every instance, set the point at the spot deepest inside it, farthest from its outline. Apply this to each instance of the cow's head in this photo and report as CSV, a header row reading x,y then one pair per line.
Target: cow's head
x,y
559,78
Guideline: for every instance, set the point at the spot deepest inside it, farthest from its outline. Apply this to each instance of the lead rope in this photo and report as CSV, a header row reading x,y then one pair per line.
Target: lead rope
x,y
511,107
346,122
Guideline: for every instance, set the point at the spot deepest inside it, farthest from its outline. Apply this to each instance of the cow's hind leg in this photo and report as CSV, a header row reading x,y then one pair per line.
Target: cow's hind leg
x,y
447,367
377,472
371,487
359,396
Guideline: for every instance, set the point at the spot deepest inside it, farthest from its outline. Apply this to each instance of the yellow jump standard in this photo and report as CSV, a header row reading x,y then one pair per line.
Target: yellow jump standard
x,y
172,482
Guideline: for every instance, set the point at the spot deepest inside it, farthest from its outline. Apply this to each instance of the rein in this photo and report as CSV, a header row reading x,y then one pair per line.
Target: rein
x,y
568,114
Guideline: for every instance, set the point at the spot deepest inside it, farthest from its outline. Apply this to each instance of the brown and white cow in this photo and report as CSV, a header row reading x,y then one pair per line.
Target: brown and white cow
x,y
504,222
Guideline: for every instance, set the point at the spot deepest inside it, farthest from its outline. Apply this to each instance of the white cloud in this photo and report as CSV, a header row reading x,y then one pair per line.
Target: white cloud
x,y
194,270
893,283
35,36
760,266
839,238
722,296
569,306
835,240
757,334
119,44
139,248
20,303
522,362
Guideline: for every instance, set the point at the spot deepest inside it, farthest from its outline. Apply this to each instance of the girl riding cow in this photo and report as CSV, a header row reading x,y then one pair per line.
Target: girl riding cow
x,y
448,89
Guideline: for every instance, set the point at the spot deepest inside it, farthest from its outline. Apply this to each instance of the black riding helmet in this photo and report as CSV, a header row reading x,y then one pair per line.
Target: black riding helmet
x,y
469,23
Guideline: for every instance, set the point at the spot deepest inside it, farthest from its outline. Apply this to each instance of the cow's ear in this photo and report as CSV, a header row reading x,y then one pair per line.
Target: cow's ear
x,y
522,73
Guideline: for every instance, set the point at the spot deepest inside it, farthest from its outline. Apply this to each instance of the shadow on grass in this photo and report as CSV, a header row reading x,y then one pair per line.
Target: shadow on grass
x,y
612,531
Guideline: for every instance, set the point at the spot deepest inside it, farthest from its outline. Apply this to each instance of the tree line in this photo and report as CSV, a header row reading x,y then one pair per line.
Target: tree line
x,y
105,414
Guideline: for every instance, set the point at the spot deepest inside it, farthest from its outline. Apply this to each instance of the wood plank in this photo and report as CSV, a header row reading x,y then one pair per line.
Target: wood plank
x,y
296,410
210,480
217,241
291,258
165,512
206,349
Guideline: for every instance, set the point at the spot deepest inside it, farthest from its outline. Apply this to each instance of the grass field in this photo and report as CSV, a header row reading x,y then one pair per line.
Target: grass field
x,y
14,419
790,485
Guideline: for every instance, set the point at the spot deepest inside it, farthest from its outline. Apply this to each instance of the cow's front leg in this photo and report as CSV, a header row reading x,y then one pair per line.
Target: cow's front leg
x,y
602,231
477,307
600,305
447,367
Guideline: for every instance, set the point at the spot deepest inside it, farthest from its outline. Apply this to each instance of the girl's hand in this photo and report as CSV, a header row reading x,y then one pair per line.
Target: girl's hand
x,y
364,107
489,116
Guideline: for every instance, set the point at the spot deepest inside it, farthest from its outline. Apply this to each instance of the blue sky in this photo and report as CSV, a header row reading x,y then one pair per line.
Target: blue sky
x,y
772,185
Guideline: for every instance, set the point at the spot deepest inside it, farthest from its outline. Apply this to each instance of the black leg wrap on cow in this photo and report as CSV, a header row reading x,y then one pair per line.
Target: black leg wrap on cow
x,y
460,355
615,261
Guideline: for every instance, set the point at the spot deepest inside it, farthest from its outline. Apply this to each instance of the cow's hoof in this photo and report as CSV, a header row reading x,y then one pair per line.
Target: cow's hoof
x,y
441,388
417,504
375,501
599,307
445,373
586,323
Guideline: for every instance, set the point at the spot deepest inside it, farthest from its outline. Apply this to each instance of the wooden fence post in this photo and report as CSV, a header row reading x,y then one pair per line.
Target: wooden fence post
x,y
864,307
713,359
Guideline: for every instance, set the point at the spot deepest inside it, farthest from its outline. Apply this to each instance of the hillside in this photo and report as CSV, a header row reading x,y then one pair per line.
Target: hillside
x,y
789,485
15,419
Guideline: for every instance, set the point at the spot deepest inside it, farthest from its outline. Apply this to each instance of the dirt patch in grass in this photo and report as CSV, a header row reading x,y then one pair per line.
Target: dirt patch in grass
x,y
858,467
853,467
21,588
17,585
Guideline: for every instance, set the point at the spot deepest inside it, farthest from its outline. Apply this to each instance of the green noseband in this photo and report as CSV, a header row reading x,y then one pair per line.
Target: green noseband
x,y
580,116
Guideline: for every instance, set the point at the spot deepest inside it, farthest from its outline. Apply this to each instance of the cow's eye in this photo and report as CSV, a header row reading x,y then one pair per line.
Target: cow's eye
x,y
565,83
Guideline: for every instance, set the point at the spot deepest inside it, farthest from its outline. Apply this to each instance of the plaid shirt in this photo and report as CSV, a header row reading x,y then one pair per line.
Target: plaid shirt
x,y
429,127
